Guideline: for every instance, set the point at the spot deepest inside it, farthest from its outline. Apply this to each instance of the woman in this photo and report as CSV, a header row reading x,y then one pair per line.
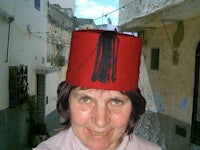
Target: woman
x,y
100,102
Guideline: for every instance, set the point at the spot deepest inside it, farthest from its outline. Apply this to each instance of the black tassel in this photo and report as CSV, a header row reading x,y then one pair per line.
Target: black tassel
x,y
106,58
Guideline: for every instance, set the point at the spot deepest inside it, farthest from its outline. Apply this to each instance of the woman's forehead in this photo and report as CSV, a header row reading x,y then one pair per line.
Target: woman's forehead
x,y
98,91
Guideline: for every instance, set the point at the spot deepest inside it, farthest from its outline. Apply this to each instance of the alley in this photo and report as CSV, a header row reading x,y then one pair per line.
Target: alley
x,y
35,42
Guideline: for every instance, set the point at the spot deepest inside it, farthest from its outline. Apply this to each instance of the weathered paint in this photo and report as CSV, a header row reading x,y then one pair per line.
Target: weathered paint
x,y
172,84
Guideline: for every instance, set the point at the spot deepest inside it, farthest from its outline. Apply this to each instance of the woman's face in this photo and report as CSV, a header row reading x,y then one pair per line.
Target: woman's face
x,y
99,117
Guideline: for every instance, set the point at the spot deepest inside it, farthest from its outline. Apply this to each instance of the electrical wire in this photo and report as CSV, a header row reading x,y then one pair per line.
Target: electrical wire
x,y
172,48
123,7
42,37
36,34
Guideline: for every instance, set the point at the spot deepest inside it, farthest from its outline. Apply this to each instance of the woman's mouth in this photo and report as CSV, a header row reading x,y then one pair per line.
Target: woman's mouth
x,y
97,133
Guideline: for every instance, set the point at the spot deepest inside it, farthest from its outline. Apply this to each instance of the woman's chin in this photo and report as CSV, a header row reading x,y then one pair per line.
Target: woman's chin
x,y
97,147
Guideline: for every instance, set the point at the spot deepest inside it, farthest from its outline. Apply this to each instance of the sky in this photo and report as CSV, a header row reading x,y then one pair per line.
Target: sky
x,y
94,9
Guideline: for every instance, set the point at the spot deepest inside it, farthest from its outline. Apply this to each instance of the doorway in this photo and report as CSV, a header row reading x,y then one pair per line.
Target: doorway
x,y
195,130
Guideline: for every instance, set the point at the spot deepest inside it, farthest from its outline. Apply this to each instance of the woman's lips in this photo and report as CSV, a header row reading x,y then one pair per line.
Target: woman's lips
x,y
97,133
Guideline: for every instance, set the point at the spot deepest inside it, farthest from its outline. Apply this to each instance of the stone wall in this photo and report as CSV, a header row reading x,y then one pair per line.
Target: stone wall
x,y
138,8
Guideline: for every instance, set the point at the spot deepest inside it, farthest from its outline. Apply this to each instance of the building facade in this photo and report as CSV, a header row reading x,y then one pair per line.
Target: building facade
x,y
23,40
171,41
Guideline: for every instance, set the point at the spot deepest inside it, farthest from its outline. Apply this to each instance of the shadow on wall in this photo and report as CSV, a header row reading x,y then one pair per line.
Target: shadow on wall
x,y
19,129
14,128
168,132
175,133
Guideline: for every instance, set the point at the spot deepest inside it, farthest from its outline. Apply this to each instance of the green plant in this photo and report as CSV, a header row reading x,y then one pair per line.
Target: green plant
x,y
59,61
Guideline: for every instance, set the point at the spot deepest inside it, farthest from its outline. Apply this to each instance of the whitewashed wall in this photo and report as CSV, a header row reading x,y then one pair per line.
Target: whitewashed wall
x,y
51,89
25,47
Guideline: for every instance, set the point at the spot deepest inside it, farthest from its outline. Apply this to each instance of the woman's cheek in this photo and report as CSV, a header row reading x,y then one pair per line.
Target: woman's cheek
x,y
80,115
121,118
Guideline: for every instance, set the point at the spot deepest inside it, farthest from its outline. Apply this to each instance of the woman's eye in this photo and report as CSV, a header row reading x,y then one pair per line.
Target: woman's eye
x,y
117,102
85,99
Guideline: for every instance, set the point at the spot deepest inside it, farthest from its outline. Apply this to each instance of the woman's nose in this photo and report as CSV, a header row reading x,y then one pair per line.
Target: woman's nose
x,y
100,116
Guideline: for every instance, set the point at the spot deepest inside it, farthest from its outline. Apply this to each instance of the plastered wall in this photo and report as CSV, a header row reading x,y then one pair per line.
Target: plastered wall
x,y
27,42
172,85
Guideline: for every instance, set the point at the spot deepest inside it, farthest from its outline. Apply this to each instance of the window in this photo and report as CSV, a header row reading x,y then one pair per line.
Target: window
x,y
155,58
37,4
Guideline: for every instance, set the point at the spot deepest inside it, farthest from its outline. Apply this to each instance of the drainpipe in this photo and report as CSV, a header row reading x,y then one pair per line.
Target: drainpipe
x,y
10,20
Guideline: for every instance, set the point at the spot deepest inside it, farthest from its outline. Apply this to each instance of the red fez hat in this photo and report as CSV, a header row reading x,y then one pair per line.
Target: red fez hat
x,y
105,60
